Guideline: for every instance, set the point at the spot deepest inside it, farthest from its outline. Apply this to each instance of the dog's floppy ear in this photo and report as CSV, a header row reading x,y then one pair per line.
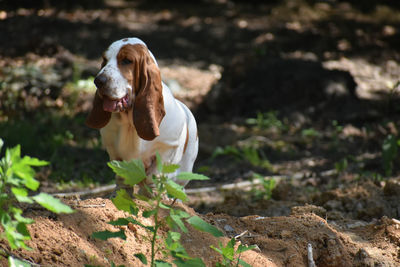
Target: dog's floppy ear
x,y
98,117
148,110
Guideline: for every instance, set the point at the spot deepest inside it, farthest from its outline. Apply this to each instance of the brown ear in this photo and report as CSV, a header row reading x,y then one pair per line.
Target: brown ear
x,y
148,110
98,117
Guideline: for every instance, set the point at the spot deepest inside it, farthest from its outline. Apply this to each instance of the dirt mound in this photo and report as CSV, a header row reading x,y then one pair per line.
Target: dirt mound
x,y
65,240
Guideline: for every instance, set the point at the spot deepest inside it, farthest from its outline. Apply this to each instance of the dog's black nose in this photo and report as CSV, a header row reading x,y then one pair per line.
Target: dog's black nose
x,y
100,81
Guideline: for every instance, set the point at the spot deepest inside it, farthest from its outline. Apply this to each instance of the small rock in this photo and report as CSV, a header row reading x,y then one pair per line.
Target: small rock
x,y
228,228
356,224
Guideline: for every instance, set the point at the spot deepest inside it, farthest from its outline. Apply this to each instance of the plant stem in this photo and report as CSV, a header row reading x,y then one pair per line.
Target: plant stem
x,y
156,226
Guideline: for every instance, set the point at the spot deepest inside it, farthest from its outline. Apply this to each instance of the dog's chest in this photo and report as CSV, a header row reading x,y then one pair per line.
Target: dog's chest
x,y
120,138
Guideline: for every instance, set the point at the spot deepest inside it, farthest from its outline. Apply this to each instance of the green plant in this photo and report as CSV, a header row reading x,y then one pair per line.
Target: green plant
x,y
341,165
133,173
267,120
310,133
390,148
231,257
16,178
247,152
268,184
337,130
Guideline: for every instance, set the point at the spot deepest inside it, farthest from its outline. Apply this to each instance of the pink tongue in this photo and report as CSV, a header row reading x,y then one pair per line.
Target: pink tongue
x,y
109,105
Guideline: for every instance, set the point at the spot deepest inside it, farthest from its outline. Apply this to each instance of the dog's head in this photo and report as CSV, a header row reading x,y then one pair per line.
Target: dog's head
x,y
129,78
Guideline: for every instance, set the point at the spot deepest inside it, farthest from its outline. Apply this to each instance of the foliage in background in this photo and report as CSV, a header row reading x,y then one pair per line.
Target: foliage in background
x,y
247,153
268,120
133,172
43,98
22,87
268,184
16,179
390,149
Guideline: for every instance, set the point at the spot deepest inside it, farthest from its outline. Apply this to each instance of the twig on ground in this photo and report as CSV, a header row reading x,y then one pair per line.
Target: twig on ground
x,y
311,262
95,191
240,185
89,206
242,234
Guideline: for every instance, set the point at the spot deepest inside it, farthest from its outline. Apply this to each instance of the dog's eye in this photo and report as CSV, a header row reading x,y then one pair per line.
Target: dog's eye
x,y
126,61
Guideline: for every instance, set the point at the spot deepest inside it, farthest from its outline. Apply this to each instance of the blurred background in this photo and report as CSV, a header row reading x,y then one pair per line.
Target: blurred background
x,y
296,99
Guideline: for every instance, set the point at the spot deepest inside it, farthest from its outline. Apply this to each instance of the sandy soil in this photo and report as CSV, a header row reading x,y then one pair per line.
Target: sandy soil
x,y
65,240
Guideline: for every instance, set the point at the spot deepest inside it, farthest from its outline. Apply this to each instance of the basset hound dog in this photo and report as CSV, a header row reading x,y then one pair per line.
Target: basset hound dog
x,y
136,112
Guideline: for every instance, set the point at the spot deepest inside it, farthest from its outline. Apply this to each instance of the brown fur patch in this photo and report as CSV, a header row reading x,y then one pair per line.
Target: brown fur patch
x,y
187,139
137,66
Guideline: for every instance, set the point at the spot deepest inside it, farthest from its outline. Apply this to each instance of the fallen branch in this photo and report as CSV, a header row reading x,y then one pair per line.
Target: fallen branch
x,y
110,188
240,185
102,190
96,191
242,234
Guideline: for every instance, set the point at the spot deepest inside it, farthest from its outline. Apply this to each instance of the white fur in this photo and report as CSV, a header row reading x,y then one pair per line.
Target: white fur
x,y
120,138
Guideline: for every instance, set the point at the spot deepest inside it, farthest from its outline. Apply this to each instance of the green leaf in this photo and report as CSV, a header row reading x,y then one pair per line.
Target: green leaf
x,y
244,264
188,176
13,262
178,221
31,183
1,144
21,194
159,162
19,218
14,154
34,161
23,230
389,153
52,204
26,173
163,206
160,263
141,197
175,236
141,257
176,217
170,168
133,171
197,262
148,213
216,249
104,235
203,226
175,190
229,250
119,222
123,201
